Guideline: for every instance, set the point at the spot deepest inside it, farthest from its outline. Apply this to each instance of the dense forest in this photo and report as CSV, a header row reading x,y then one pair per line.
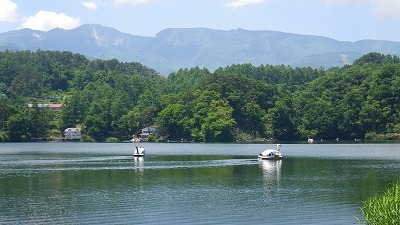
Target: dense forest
x,y
112,100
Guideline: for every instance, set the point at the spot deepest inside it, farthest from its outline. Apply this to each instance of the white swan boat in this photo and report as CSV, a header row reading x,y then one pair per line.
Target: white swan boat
x,y
139,151
271,154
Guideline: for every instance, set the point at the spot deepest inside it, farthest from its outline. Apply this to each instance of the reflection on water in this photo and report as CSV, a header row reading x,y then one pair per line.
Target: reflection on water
x,y
271,172
139,163
81,183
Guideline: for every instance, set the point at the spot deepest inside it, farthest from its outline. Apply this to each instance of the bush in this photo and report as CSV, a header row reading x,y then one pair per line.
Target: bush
x,y
87,138
3,136
112,139
382,137
385,208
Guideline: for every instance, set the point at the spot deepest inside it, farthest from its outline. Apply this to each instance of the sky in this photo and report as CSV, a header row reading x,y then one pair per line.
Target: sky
x,y
344,20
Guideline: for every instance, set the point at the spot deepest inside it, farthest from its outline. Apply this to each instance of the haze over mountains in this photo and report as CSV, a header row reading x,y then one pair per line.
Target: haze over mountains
x,y
175,48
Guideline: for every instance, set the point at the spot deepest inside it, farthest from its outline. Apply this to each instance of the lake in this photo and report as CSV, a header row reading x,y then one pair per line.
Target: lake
x,y
187,183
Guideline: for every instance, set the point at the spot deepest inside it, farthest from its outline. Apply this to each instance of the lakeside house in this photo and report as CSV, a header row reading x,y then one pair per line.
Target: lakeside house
x,y
144,134
147,131
72,134
55,107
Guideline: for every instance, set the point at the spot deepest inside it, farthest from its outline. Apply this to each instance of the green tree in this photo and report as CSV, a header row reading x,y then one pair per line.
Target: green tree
x,y
218,124
73,110
29,124
174,122
97,123
280,121
212,117
7,108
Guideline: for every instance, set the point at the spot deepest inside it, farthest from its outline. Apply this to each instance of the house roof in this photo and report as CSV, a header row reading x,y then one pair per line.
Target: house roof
x,y
56,105
72,129
47,105
149,129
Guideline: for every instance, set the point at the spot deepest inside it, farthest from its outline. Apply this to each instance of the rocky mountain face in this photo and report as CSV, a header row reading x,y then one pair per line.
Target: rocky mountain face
x,y
172,49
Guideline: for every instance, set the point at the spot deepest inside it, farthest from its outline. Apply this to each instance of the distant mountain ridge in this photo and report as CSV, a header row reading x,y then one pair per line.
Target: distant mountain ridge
x,y
175,48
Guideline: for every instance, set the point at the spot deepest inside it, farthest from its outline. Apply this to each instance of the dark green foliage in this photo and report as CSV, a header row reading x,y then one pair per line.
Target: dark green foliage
x,y
112,100
351,103
95,94
174,122
29,124
183,79
293,78
35,73
376,58
249,98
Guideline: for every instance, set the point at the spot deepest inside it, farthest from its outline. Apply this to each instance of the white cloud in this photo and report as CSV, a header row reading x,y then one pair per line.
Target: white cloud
x,y
44,20
130,2
240,3
8,11
386,8
89,5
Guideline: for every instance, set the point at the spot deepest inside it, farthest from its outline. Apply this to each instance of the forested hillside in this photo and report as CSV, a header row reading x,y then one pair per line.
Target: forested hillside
x,y
112,100
175,48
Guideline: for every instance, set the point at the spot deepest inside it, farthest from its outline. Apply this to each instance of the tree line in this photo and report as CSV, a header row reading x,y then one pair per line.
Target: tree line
x,y
112,100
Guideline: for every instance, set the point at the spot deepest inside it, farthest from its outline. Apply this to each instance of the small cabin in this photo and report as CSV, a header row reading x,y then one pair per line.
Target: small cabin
x,y
146,132
72,134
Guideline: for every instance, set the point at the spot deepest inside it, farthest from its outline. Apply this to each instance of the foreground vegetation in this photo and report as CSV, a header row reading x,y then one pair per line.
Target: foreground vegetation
x,y
112,100
385,208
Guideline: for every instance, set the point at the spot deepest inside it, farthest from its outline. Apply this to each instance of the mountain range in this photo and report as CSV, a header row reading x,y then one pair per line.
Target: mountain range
x,y
175,48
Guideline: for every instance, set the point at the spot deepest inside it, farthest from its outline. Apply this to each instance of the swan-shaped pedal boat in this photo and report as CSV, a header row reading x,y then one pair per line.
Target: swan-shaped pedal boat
x,y
271,154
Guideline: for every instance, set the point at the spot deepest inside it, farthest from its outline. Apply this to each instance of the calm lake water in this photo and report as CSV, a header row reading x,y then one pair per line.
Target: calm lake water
x,y
98,183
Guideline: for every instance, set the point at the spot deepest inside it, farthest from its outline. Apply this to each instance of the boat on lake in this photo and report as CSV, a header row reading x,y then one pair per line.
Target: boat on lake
x,y
271,154
139,151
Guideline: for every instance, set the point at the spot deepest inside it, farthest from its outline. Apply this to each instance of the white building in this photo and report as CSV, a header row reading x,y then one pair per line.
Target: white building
x,y
72,134
55,107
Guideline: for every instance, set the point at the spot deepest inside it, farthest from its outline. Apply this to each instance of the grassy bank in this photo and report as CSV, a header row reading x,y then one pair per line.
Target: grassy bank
x,y
383,208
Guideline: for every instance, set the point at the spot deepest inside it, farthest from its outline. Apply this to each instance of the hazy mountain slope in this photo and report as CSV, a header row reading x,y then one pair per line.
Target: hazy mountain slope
x,y
172,49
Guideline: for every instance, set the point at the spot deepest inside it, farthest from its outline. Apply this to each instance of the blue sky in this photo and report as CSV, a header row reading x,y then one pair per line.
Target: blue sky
x,y
345,20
